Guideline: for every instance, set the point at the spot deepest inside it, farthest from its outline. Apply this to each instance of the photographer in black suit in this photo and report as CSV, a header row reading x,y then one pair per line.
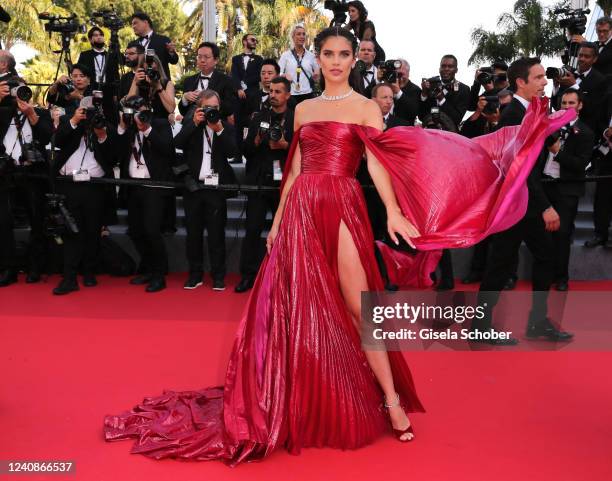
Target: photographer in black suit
x,y
105,71
258,99
25,131
369,72
451,96
266,148
146,150
86,152
406,95
163,46
210,79
603,26
527,79
207,143
134,58
590,82
566,157
490,80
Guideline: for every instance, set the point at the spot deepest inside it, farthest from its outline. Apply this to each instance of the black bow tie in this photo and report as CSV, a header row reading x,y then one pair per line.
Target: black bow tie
x,y
204,77
368,72
247,54
99,53
580,76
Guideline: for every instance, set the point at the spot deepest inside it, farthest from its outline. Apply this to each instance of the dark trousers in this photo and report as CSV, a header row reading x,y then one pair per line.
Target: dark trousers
x,y
31,194
501,262
567,208
85,202
602,205
446,267
258,206
145,215
480,255
206,209
7,239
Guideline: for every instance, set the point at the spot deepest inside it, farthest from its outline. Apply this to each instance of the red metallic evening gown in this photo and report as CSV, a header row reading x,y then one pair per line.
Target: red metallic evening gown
x,y
297,376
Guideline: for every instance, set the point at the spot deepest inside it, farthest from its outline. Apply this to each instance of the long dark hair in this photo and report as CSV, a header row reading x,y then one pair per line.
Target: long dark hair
x,y
355,80
363,15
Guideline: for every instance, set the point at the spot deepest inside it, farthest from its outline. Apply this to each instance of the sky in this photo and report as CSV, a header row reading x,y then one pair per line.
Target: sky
x,y
423,32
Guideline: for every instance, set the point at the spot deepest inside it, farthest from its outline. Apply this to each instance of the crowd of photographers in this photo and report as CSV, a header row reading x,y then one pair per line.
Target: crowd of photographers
x,y
104,124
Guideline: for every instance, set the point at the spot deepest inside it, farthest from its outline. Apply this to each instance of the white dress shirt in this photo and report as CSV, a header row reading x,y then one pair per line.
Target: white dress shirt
x,y
82,159
369,77
552,167
11,140
99,63
288,65
206,168
524,103
138,170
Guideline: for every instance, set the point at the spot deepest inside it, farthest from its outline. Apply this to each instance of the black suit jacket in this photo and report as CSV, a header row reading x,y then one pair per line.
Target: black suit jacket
x,y
112,77
407,106
573,158
250,76
455,106
260,159
220,83
158,150
393,121
158,43
68,140
191,140
604,60
254,101
538,201
594,89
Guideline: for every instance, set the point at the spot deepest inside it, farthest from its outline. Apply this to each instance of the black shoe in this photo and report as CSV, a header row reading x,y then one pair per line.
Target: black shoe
x,y
244,285
562,286
89,280
595,241
8,277
510,283
391,287
445,285
472,278
193,281
547,331
32,277
157,284
510,341
66,286
141,280
218,285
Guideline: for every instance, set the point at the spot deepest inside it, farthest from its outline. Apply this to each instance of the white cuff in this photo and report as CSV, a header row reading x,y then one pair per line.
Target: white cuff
x,y
148,131
398,95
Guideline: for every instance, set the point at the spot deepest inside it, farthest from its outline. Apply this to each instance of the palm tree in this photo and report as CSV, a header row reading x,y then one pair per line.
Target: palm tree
x,y
528,30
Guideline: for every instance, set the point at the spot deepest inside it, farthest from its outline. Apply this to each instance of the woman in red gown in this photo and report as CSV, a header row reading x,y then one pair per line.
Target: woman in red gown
x,y
297,376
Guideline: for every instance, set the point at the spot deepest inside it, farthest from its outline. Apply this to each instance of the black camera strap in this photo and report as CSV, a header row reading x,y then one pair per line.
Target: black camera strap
x,y
19,119
136,152
299,60
208,141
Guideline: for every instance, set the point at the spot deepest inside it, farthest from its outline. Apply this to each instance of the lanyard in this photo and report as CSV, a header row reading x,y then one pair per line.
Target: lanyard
x,y
136,152
299,69
100,66
87,142
18,121
208,141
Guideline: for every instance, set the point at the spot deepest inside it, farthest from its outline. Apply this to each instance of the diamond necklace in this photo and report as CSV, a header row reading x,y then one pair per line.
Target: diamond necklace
x,y
336,97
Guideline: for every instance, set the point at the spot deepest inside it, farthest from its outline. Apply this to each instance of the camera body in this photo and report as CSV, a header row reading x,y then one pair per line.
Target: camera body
x,y
110,18
563,133
435,86
340,9
487,75
66,88
95,115
211,114
492,104
575,20
389,70
148,67
270,126
131,108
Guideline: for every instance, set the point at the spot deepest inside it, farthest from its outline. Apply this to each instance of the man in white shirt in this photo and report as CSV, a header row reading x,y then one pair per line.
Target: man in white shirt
x,y
299,66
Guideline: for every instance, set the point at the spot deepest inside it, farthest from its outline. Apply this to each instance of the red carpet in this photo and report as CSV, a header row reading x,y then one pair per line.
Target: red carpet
x,y
492,416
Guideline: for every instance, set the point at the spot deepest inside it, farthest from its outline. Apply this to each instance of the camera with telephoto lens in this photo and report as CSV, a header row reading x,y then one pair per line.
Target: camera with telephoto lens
x,y
110,18
95,115
150,62
556,73
65,25
389,70
18,89
211,114
130,107
271,126
575,20
59,220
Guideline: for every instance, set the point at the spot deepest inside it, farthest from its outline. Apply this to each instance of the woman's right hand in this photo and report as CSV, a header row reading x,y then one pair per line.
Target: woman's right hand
x,y
271,237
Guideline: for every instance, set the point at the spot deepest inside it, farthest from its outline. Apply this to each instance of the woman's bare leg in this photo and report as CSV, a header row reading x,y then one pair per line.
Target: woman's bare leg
x,y
352,281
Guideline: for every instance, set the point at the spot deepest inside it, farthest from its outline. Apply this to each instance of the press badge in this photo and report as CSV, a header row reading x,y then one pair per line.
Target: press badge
x,y
211,179
80,175
278,172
